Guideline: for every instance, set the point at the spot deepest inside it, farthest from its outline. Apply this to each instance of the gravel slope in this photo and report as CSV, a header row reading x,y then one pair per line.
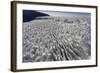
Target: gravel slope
x,y
56,39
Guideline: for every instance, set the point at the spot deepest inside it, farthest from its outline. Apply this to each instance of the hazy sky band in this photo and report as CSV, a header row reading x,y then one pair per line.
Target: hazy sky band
x,y
59,13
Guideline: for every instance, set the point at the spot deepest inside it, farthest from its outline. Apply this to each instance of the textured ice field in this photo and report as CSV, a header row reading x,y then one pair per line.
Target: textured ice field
x,y
57,39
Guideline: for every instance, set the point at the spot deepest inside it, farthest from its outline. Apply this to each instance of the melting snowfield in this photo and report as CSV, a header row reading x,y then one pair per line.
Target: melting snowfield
x,y
50,38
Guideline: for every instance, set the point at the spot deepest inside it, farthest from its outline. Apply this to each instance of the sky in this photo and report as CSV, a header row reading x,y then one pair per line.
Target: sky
x,y
59,13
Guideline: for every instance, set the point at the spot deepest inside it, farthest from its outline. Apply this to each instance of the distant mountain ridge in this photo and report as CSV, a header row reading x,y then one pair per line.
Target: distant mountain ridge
x,y
29,15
